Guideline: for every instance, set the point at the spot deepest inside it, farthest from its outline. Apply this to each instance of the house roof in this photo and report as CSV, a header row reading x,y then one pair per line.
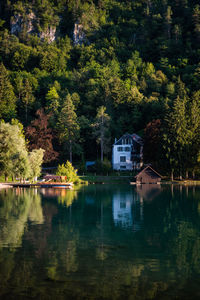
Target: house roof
x,y
150,171
134,137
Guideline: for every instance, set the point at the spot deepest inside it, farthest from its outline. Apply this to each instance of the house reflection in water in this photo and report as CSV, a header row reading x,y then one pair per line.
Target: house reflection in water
x,y
127,210
128,206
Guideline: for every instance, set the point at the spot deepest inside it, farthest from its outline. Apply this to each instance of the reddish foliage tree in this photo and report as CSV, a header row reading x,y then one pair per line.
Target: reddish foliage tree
x,y
152,142
40,136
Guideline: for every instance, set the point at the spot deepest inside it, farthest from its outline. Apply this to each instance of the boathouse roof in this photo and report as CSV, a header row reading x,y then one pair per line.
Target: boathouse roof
x,y
149,171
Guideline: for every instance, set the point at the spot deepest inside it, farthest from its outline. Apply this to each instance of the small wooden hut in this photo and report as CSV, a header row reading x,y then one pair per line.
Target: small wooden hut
x,y
148,175
54,178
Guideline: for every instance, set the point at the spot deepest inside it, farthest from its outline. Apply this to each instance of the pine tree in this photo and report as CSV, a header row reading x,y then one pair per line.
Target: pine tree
x,y
101,127
68,126
52,99
177,136
7,96
168,21
27,97
196,20
194,127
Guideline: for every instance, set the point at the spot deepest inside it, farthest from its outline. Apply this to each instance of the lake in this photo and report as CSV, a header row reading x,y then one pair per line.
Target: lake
x,y
100,242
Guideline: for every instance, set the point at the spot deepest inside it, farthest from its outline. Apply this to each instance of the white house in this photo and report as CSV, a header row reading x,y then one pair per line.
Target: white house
x,y
127,152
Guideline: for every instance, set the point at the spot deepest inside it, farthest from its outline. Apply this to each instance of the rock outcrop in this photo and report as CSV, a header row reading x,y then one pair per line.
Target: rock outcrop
x,y
29,24
49,34
78,34
19,23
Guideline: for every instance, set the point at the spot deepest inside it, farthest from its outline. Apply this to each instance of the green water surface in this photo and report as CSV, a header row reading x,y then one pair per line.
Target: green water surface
x,y
100,242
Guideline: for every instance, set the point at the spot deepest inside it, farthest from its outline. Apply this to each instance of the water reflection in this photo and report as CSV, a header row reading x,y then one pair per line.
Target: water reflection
x,y
122,209
127,206
86,250
148,191
16,209
64,196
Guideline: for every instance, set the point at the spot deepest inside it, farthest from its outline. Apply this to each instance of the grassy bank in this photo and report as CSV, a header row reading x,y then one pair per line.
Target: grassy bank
x,y
127,179
106,179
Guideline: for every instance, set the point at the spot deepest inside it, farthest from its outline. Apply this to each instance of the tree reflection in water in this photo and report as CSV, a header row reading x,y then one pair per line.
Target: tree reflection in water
x,y
147,247
64,196
16,210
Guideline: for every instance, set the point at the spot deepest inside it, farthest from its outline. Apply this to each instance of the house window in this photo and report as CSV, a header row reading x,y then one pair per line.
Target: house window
x,y
122,158
119,149
122,167
122,204
127,149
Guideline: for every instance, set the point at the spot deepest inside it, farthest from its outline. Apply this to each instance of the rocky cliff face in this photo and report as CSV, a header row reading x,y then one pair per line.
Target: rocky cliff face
x,y
49,34
18,23
29,24
78,34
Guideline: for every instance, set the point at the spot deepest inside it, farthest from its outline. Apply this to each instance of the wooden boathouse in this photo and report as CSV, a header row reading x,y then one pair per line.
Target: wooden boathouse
x,y
148,175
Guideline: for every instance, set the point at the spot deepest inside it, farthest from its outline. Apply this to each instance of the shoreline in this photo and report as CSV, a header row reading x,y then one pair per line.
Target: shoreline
x,y
94,180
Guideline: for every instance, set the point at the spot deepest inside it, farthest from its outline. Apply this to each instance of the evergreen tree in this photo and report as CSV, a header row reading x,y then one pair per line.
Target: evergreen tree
x,y
168,20
68,126
101,130
52,100
194,127
27,97
7,96
152,143
177,136
196,21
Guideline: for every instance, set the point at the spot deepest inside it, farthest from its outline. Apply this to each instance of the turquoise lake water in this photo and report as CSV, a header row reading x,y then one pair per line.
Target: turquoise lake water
x,y
100,242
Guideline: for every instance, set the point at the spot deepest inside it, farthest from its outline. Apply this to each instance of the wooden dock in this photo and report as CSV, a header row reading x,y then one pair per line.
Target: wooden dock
x,y
43,185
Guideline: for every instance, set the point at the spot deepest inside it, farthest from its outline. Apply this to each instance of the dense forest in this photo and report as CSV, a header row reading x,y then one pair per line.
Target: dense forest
x,y
66,65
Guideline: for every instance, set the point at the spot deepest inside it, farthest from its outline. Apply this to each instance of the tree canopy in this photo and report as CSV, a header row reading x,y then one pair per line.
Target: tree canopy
x,y
138,59
15,160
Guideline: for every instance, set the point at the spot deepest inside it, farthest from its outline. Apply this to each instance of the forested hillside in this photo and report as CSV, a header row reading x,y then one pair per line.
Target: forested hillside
x,y
66,64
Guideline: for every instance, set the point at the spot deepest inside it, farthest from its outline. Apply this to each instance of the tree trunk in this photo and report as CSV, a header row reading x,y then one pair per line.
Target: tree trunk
x,y
102,138
70,151
26,112
193,174
102,150
169,31
172,175
186,174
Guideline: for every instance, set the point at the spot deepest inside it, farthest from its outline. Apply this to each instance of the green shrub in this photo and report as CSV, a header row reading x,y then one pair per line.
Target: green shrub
x,y
68,170
103,168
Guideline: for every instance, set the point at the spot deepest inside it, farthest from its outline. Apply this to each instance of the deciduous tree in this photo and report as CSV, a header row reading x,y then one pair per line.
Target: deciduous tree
x,y
35,158
13,151
41,136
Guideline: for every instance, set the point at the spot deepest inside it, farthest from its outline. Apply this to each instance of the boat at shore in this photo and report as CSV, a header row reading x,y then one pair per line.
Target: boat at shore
x,y
58,185
5,185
